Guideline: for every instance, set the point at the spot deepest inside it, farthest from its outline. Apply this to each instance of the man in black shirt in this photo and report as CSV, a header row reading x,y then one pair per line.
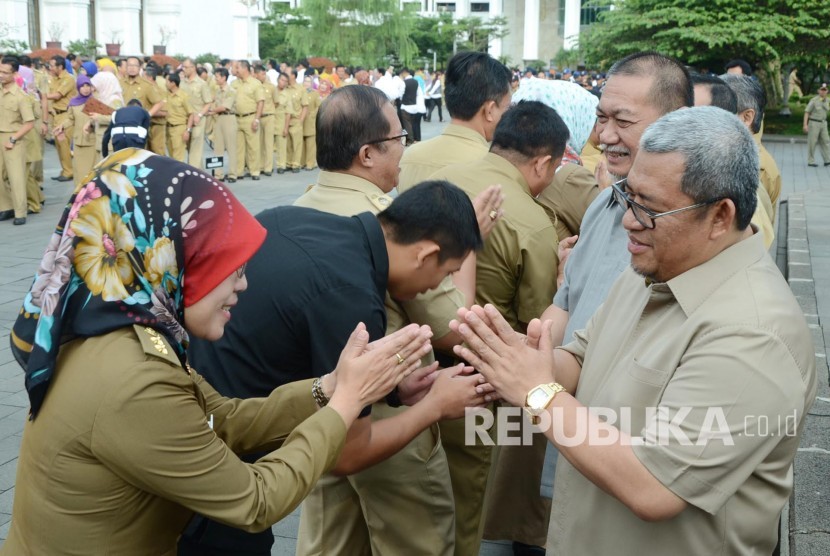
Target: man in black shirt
x,y
316,276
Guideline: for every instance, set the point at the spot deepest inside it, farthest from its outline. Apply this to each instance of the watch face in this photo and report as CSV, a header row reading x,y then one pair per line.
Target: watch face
x,y
537,398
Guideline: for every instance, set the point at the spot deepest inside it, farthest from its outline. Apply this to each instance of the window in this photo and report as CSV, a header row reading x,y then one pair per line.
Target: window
x,y
34,23
588,14
480,7
442,7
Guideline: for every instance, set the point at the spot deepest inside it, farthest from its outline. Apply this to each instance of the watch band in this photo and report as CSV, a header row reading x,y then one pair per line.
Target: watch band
x,y
317,392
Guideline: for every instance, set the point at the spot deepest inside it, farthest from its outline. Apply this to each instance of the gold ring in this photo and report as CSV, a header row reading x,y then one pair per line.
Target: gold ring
x,y
493,214
401,360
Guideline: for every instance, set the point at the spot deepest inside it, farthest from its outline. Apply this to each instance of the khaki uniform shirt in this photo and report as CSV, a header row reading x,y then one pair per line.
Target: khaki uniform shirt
x,y
148,93
284,102
299,99
77,120
516,270
227,98
348,195
128,446
178,108
770,177
726,342
590,156
248,94
197,92
310,122
15,109
270,106
762,217
568,197
65,85
818,109
456,145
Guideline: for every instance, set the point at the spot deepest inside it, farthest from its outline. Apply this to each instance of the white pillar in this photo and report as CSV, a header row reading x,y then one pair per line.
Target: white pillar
x,y
69,18
462,8
118,21
14,21
162,13
531,42
573,9
496,7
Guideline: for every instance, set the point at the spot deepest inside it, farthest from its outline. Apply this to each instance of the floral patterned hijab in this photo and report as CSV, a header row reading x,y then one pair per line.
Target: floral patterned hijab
x,y
141,239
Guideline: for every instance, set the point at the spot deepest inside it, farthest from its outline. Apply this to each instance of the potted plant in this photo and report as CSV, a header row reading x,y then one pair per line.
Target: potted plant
x,y
55,30
166,33
114,46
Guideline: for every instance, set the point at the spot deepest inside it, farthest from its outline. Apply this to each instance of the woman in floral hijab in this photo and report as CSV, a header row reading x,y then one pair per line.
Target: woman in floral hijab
x,y
124,441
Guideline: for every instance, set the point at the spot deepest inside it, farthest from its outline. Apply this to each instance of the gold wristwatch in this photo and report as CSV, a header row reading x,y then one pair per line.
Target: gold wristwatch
x,y
539,398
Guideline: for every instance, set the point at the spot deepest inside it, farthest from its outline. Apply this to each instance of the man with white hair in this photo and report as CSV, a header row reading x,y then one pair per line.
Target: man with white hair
x,y
700,363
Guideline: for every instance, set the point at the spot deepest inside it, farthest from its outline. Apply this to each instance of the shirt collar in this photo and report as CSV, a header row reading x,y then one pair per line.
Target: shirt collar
x,y
340,180
697,284
377,249
504,166
456,130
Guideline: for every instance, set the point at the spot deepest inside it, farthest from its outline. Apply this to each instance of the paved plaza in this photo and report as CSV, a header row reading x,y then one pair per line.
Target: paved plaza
x,y
803,248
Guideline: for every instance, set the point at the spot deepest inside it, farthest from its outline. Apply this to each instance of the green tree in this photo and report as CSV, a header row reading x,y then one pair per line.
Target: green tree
x,y
444,36
766,33
273,30
358,32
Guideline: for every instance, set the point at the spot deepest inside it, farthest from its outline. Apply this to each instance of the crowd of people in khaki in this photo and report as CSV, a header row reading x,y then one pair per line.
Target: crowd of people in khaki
x,y
584,278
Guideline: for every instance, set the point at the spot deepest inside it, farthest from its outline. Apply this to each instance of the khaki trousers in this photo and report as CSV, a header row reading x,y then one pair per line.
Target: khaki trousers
x,y
310,153
64,146
266,142
196,150
157,138
515,509
280,142
82,162
224,134
34,168
247,146
175,142
817,135
402,505
469,468
295,144
13,166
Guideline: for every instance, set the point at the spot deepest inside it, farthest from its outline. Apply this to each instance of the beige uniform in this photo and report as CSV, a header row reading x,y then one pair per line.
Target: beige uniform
x,y
590,156
770,178
515,272
817,111
726,344
267,128
284,109
178,114
568,197
15,111
34,159
83,158
150,94
129,445
249,93
198,92
65,85
469,464
310,130
377,510
457,144
295,126
225,130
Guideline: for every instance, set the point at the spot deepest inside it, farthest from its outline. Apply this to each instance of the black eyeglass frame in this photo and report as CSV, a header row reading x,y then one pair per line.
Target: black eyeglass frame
x,y
240,272
403,136
622,198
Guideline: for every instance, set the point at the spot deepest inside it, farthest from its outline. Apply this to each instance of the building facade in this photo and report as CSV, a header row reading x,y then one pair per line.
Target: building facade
x,y
228,28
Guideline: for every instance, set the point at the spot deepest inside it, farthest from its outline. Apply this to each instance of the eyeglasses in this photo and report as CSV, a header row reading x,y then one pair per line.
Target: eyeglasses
x,y
402,137
240,272
643,215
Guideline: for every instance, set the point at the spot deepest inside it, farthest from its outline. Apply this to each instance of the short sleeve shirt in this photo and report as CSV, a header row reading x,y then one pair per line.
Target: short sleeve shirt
x,y
198,93
226,98
178,108
723,350
818,109
15,109
249,93
65,85
568,197
456,145
516,269
270,94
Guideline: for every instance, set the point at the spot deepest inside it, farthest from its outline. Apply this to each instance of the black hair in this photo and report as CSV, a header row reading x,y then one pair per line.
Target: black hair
x,y
722,95
201,71
738,63
348,119
71,57
221,71
530,129
151,71
304,62
272,63
472,79
245,64
174,78
434,210
25,61
258,68
11,61
135,102
224,62
672,87
60,61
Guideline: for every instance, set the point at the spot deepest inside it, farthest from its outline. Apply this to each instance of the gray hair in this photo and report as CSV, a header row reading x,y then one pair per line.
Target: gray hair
x,y
750,95
721,156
